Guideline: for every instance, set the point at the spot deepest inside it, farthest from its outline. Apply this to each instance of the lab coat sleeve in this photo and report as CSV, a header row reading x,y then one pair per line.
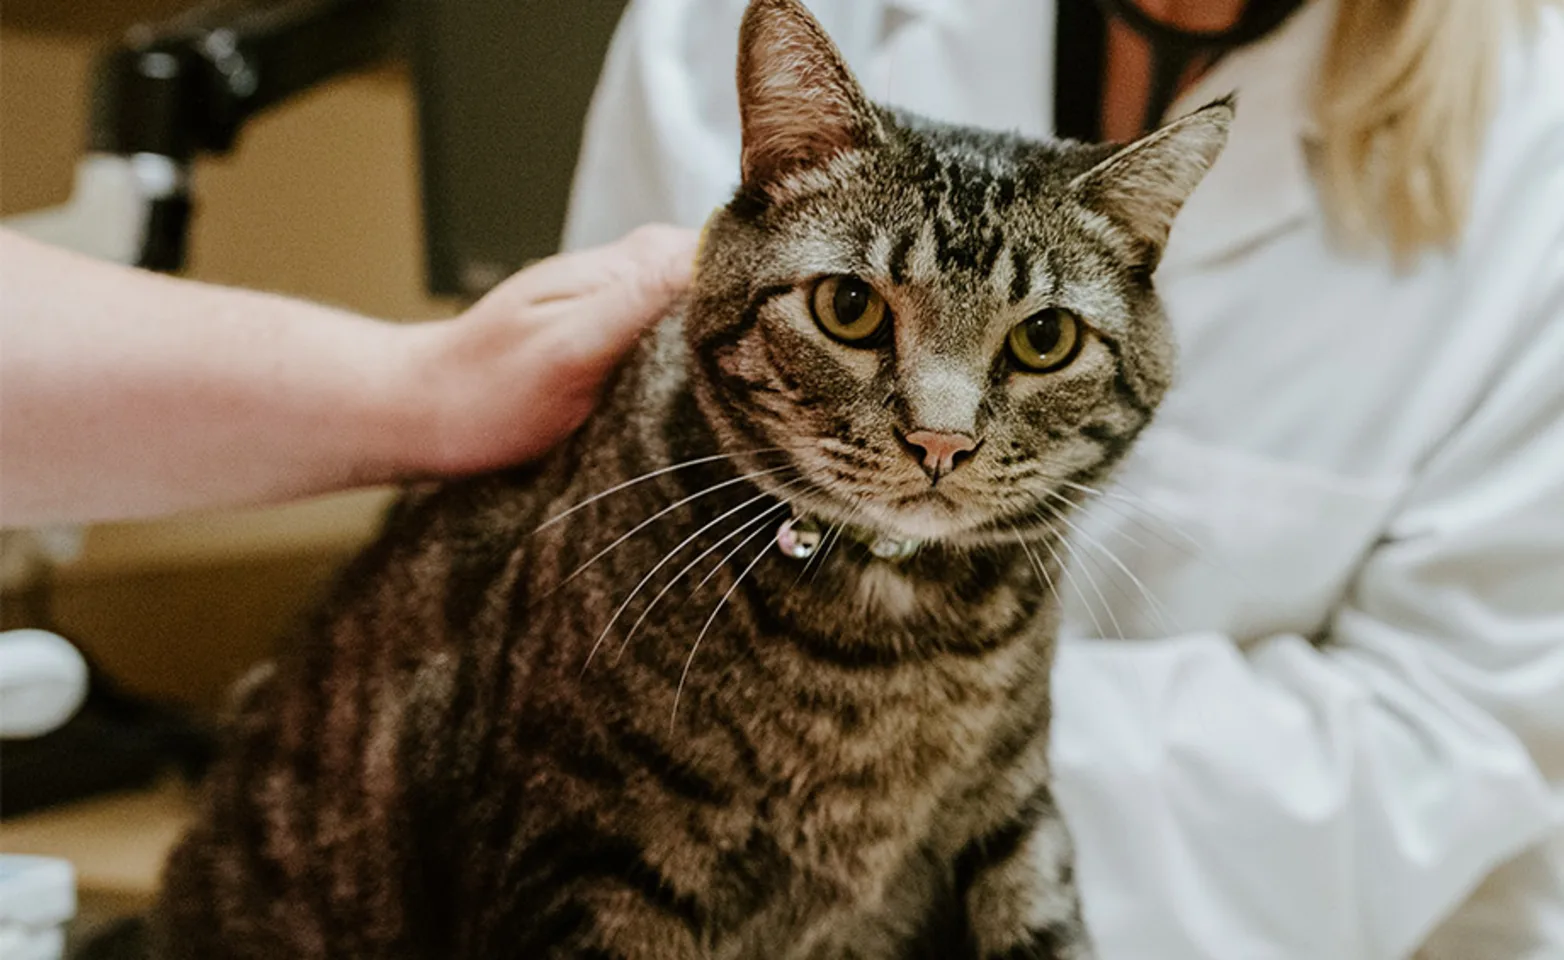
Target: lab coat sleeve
x,y
1335,799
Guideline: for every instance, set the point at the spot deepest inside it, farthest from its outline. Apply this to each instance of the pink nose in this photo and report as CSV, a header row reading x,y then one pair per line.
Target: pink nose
x,y
940,453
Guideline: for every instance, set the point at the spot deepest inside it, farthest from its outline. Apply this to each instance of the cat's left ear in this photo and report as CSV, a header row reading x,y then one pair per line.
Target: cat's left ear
x,y
1143,186
798,101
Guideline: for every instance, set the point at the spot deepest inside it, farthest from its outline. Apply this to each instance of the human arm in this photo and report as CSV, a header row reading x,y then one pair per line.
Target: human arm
x,y
128,394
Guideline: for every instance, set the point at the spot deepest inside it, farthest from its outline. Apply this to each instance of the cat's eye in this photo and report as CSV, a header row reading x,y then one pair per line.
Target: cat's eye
x,y
1046,341
848,309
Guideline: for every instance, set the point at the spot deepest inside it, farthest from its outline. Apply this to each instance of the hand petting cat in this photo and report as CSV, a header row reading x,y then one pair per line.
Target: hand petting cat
x,y
129,394
523,367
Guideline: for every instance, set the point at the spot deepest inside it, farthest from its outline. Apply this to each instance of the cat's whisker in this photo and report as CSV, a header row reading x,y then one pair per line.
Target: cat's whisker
x,y
664,512
837,532
1118,495
1088,539
1103,493
761,518
1085,488
816,562
651,475
841,530
723,563
1121,532
1190,547
1043,579
1111,497
1079,554
664,562
1070,578
1074,557
689,660
814,558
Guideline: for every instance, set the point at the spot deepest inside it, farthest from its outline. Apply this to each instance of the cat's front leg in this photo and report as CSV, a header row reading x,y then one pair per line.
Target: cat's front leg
x,y
1021,897
595,917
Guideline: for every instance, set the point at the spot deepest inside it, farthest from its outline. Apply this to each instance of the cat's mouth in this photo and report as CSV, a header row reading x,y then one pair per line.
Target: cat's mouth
x,y
927,516
891,504
931,508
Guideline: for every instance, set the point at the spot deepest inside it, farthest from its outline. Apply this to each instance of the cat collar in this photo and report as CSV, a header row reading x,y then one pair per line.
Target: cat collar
x,y
800,537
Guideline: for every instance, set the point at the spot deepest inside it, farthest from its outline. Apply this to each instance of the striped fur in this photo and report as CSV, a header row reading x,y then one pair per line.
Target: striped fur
x,y
516,731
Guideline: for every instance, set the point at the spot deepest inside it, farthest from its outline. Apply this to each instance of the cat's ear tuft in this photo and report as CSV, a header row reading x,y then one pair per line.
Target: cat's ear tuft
x,y
798,101
1143,186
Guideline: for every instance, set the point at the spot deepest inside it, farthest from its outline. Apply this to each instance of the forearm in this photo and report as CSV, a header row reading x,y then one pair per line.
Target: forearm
x,y
127,394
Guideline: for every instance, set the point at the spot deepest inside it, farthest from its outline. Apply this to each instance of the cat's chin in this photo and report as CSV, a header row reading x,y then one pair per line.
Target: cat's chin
x,y
932,516
938,521
934,519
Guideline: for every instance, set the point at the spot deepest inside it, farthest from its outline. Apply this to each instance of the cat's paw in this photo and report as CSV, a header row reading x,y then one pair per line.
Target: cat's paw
x,y
1021,899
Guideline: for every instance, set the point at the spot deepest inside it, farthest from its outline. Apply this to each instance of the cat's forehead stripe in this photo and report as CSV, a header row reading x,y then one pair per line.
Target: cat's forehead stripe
x,y
916,255
880,255
896,266
957,227
1099,302
1020,276
1001,279
923,256
999,276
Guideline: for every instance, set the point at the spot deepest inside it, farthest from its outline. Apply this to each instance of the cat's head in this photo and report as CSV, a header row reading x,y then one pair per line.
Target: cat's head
x,y
943,328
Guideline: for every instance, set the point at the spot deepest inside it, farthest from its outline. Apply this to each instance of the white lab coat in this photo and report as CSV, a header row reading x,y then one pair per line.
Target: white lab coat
x,y
1338,731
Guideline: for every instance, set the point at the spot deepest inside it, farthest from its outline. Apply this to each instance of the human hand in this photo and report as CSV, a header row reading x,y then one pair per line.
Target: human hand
x,y
523,367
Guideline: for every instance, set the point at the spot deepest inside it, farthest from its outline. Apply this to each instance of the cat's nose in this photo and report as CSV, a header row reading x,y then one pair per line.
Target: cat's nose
x,y
939,453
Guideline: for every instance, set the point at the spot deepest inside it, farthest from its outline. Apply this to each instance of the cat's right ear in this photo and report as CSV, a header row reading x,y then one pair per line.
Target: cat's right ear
x,y
1143,186
798,101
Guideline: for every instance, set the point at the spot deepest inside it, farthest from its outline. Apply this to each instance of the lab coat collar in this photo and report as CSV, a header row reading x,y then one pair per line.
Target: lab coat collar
x,y
1261,184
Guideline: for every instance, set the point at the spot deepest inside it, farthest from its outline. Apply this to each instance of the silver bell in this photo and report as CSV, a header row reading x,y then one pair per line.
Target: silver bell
x,y
799,538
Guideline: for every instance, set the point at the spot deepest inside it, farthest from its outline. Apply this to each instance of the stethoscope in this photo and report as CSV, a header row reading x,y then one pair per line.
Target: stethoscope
x,y
1173,49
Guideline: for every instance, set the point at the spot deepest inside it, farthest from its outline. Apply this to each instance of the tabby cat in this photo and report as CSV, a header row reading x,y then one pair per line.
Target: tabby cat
x,y
757,664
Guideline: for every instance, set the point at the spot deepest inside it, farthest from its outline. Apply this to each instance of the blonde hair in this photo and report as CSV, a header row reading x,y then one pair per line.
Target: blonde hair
x,y
1402,103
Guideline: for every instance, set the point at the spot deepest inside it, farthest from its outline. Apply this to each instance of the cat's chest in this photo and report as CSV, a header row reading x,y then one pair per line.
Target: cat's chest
x,y
860,760
877,683
841,704
855,801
